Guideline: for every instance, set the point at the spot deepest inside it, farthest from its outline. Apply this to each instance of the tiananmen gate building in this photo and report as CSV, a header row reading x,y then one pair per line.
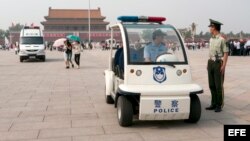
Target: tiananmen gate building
x,y
62,22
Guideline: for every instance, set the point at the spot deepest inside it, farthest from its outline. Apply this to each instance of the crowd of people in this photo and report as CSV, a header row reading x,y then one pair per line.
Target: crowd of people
x,y
196,45
236,47
5,47
239,47
8,47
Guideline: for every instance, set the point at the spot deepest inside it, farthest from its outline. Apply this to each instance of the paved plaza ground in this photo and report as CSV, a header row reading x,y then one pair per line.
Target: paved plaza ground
x,y
45,102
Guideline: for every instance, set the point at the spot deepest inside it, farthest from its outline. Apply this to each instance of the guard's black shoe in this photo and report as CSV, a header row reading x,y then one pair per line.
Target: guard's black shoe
x,y
218,109
210,108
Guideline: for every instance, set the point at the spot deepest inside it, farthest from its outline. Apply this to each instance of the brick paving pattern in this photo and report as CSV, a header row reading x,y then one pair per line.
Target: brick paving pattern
x,y
45,102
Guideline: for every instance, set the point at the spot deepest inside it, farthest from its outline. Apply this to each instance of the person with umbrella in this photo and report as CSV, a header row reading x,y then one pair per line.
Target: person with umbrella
x,y
77,48
77,52
68,54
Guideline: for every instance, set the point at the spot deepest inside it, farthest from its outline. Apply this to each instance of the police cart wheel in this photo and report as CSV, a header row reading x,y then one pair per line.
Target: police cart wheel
x,y
124,111
108,98
195,109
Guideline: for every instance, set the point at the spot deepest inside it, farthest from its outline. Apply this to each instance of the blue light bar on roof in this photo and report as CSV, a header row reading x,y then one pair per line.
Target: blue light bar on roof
x,y
128,18
141,19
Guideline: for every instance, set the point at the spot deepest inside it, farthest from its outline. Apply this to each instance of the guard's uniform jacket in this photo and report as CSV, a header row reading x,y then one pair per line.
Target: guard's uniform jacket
x,y
216,78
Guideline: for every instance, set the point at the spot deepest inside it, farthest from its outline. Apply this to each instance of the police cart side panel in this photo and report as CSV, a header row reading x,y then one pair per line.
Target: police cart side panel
x,y
109,77
111,80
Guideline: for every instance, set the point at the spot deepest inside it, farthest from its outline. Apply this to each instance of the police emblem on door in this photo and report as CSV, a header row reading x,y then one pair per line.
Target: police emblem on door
x,y
159,74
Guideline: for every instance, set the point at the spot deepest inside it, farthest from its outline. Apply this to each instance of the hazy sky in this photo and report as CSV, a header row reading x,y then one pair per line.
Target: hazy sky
x,y
235,14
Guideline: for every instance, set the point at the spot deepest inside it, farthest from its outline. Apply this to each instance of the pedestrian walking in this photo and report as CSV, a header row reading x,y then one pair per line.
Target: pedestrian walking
x,y
83,46
77,52
247,48
218,54
68,54
15,48
238,47
90,46
231,48
242,44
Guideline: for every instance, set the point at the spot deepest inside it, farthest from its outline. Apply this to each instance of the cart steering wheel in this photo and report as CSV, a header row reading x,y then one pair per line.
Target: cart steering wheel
x,y
166,57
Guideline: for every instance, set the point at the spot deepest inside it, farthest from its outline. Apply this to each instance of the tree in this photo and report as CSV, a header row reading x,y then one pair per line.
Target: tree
x,y
201,34
231,33
185,32
188,34
7,33
2,33
207,35
147,35
17,27
242,34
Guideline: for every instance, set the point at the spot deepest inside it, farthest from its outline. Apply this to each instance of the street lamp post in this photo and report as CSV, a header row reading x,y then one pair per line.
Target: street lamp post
x,y
89,23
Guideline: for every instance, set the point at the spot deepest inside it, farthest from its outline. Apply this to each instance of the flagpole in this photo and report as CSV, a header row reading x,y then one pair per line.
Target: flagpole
x,y
89,23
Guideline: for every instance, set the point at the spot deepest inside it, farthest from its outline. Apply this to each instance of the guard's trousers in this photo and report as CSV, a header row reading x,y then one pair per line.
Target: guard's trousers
x,y
216,80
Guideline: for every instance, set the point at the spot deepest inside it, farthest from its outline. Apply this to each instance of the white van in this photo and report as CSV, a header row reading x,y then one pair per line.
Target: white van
x,y
31,44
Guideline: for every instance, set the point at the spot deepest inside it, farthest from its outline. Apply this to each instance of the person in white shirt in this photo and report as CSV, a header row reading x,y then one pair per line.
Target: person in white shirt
x,y
247,48
238,47
77,52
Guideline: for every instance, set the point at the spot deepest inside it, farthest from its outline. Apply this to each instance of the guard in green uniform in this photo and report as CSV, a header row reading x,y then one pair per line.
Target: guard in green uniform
x,y
218,54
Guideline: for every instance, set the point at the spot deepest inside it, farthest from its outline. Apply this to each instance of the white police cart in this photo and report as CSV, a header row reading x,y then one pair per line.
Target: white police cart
x,y
159,89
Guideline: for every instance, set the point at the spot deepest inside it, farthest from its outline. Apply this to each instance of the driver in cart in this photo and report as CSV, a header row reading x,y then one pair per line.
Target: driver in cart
x,y
156,48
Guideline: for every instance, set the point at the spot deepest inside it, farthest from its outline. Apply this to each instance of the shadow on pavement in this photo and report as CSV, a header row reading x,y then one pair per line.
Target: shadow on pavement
x,y
55,60
47,60
93,67
161,124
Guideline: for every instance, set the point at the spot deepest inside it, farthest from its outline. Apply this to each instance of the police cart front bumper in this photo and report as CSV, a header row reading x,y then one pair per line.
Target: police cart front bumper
x,y
166,102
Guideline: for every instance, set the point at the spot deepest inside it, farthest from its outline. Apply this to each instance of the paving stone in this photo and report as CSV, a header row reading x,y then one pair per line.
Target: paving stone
x,y
115,137
52,133
40,125
18,135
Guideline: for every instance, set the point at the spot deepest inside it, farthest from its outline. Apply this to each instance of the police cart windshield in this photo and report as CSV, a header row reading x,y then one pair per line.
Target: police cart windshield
x,y
154,44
